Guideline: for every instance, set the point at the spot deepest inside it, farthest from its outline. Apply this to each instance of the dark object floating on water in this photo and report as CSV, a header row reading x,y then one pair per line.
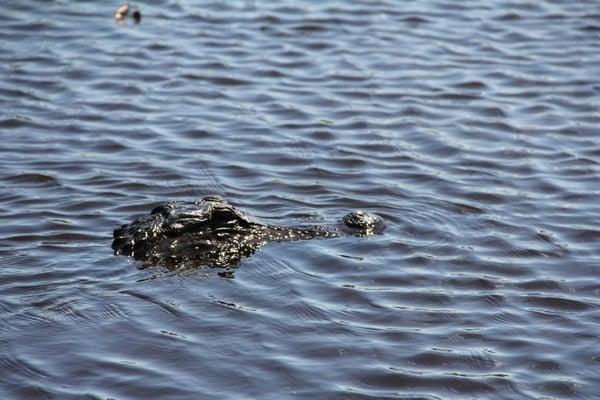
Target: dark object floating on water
x,y
214,233
136,15
123,11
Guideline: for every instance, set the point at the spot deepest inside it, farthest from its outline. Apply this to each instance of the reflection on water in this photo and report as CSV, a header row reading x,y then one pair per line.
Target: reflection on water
x,y
470,128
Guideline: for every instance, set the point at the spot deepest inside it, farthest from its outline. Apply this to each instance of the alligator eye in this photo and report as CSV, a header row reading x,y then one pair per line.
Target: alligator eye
x,y
225,216
163,209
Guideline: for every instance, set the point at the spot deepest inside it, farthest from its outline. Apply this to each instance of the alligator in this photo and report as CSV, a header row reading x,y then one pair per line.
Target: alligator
x,y
213,233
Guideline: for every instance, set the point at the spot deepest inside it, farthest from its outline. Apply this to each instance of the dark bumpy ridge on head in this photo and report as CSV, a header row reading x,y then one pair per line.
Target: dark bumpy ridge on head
x,y
212,232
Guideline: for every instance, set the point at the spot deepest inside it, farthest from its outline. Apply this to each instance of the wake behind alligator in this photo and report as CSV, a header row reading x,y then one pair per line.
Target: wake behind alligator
x,y
214,233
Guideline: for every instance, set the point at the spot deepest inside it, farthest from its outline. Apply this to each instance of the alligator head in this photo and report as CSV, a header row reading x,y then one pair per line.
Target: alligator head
x,y
212,232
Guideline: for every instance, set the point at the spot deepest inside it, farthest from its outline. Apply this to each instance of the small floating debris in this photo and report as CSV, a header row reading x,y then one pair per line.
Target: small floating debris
x,y
136,15
123,11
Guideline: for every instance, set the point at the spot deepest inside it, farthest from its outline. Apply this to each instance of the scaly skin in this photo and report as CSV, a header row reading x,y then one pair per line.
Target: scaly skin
x,y
212,232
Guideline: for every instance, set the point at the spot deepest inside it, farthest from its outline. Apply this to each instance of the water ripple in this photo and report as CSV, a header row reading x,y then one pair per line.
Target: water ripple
x,y
470,128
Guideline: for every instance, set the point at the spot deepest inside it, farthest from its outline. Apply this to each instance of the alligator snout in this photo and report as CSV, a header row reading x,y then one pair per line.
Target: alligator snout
x,y
360,222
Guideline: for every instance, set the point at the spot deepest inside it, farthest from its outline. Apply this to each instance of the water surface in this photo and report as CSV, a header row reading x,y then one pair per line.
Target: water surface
x,y
471,127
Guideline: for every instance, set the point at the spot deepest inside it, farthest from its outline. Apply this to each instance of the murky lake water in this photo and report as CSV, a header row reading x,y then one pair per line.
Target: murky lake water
x,y
472,127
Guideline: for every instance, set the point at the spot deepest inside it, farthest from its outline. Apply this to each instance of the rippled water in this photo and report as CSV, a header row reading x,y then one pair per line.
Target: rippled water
x,y
471,127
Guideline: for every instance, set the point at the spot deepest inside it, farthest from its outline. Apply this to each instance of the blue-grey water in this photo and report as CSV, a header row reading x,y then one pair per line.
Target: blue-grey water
x,y
472,127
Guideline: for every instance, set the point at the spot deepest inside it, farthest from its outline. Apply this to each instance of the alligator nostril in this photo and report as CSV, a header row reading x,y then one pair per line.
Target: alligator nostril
x,y
363,221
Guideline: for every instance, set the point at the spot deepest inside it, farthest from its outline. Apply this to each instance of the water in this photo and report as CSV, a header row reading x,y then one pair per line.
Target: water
x,y
471,127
